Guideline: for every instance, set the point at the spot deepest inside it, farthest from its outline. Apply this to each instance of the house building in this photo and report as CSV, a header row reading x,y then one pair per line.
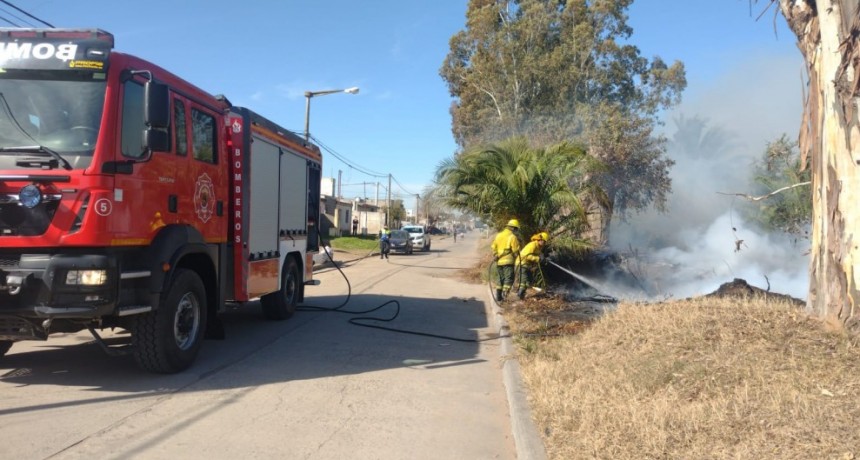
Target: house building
x,y
341,217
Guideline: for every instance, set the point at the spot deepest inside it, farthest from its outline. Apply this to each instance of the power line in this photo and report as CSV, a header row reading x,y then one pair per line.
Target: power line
x,y
402,187
352,165
17,18
10,22
28,14
358,168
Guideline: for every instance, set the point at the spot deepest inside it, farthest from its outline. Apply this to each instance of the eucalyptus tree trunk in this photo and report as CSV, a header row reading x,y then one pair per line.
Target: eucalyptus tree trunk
x,y
828,34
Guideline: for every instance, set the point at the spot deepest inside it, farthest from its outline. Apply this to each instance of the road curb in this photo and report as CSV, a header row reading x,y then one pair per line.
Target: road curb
x,y
527,439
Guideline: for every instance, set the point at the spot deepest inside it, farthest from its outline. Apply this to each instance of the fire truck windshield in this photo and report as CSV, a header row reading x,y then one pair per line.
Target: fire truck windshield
x,y
57,110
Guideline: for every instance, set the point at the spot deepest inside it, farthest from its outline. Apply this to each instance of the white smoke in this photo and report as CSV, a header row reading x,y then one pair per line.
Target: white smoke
x,y
703,242
718,254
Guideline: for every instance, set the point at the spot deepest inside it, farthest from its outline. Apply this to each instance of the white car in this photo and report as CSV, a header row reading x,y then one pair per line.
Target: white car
x,y
420,238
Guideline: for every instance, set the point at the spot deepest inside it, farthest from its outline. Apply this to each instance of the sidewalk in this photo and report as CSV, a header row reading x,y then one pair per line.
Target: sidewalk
x,y
526,436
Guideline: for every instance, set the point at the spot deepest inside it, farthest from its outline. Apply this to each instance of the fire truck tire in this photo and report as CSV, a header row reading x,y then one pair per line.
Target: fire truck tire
x,y
282,304
5,345
167,340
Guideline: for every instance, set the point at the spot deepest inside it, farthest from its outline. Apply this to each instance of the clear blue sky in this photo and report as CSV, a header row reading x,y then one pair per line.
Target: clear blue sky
x,y
264,54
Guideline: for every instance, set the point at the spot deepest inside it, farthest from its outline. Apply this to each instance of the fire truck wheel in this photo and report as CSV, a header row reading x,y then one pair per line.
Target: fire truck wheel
x,y
167,340
5,345
282,304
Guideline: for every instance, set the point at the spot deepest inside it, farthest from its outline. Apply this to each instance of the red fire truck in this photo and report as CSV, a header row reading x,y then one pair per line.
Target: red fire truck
x,y
130,198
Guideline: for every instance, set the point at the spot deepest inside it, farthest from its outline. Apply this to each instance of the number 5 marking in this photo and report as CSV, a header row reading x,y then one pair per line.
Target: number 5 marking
x,y
103,207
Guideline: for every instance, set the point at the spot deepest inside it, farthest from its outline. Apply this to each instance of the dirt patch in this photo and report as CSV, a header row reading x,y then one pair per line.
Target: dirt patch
x,y
740,289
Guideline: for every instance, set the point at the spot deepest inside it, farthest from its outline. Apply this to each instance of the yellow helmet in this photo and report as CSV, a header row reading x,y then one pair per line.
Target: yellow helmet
x,y
542,236
513,223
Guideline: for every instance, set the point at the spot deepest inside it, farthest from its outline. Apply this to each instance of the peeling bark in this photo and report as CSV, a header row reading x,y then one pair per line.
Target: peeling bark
x,y
828,33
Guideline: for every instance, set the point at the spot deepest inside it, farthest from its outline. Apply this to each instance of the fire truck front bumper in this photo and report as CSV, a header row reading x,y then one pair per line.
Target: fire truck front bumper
x,y
46,286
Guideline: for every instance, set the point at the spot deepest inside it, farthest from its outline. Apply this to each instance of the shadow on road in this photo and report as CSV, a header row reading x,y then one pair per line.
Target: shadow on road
x,y
311,345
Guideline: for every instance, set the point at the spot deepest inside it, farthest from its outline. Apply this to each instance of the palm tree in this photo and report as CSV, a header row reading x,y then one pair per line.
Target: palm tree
x,y
542,187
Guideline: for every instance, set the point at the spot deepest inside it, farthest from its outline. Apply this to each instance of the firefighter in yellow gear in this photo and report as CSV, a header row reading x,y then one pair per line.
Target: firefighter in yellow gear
x,y
530,258
506,250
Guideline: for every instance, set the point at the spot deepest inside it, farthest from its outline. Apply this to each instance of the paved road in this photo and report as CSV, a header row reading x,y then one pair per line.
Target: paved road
x,y
314,387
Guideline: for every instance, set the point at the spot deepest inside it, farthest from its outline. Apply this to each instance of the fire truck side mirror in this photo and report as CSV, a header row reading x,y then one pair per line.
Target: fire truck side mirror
x,y
156,140
157,117
157,105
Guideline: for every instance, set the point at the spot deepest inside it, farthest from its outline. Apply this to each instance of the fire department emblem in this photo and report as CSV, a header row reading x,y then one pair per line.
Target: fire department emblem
x,y
204,198
237,127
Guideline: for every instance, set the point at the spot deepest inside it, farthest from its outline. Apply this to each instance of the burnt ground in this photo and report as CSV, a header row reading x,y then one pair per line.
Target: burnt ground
x,y
567,305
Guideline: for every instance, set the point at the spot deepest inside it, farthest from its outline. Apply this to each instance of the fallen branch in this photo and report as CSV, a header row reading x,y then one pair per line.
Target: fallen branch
x,y
759,198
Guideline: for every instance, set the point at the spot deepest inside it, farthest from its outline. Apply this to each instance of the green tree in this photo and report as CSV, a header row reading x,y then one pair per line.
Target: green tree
x,y
556,70
637,174
397,213
785,183
543,188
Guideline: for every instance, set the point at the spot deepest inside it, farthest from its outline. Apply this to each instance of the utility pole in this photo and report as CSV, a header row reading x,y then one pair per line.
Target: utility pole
x,y
376,200
339,178
417,213
388,214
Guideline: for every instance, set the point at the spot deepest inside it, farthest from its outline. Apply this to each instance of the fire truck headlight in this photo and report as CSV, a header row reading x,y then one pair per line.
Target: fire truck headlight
x,y
30,196
86,277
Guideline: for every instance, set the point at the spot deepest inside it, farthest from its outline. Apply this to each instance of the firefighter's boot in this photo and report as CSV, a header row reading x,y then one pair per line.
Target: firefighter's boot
x,y
521,293
498,295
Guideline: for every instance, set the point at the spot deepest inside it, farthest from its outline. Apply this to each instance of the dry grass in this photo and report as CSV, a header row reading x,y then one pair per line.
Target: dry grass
x,y
706,378
542,316
477,274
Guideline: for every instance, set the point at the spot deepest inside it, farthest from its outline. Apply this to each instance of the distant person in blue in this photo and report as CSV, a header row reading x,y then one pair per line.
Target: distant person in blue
x,y
384,243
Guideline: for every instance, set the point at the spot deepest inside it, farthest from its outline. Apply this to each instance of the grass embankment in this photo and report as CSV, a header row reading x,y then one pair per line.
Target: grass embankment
x,y
704,378
731,377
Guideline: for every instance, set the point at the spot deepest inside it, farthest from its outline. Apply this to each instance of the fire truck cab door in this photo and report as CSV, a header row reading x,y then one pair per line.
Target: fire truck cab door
x,y
184,185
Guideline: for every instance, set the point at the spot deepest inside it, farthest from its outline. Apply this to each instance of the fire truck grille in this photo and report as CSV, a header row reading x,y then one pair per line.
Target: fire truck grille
x,y
9,262
16,220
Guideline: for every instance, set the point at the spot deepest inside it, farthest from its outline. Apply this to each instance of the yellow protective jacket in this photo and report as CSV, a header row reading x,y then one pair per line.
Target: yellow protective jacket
x,y
530,255
506,247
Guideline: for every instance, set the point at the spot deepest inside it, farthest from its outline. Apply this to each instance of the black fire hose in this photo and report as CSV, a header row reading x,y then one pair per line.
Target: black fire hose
x,y
358,320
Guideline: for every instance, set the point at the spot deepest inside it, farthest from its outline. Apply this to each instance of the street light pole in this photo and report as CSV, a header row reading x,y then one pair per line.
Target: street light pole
x,y
417,210
310,94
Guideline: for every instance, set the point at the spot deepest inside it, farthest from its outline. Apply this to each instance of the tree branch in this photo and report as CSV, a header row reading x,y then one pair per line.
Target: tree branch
x,y
759,198
493,97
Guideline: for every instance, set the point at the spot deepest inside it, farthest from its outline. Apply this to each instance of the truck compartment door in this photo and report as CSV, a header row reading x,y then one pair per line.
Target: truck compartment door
x,y
263,218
